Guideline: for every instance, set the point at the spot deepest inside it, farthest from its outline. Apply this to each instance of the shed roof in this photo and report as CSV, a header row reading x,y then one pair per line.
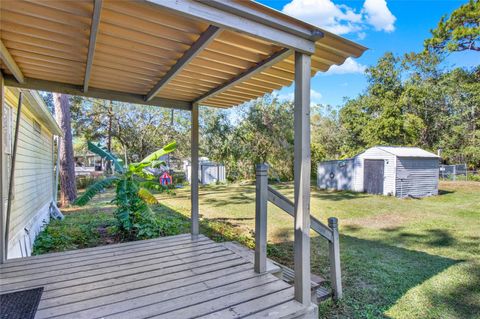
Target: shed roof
x,y
168,53
401,151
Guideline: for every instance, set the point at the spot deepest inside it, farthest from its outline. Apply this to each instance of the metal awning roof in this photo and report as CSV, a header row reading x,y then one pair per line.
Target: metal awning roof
x,y
159,52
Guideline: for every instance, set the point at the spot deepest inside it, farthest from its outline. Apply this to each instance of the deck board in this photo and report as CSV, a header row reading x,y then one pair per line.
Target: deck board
x,y
171,277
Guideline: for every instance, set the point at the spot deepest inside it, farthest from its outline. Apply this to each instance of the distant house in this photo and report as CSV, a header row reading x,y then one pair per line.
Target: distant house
x,y
34,181
387,170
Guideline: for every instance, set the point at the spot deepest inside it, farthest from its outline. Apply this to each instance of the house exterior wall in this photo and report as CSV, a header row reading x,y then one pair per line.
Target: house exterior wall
x,y
34,176
417,176
389,169
336,175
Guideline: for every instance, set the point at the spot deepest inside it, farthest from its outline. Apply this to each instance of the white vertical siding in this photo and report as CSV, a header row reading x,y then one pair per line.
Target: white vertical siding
x,y
33,183
375,153
335,175
417,176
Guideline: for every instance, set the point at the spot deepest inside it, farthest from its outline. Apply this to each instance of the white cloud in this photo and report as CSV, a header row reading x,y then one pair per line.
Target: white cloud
x,y
378,15
349,66
342,19
338,19
315,96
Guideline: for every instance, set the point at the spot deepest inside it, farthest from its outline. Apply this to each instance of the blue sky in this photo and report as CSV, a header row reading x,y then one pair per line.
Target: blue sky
x,y
399,26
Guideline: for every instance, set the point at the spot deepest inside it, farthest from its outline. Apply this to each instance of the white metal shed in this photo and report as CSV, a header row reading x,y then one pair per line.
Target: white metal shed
x,y
387,170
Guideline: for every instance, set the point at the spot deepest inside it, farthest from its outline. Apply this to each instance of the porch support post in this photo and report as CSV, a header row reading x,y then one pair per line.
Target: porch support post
x,y
2,189
194,174
261,200
302,178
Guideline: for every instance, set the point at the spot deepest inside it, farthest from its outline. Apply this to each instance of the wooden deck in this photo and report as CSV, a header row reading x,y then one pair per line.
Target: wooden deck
x,y
171,277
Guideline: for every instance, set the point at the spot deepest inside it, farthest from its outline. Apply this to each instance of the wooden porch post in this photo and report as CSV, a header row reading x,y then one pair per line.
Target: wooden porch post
x,y
261,200
302,178
2,189
194,173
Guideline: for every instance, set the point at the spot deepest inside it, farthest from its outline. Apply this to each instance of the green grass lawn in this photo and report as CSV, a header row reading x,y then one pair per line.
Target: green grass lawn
x,y
401,258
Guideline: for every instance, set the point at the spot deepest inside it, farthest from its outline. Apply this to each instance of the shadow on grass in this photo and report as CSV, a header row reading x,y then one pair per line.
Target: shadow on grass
x,y
445,192
376,275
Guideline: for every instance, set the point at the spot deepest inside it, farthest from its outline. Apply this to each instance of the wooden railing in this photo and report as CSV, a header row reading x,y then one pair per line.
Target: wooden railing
x,y
265,193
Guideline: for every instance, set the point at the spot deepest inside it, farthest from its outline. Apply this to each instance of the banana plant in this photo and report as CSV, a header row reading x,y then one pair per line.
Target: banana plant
x,y
133,196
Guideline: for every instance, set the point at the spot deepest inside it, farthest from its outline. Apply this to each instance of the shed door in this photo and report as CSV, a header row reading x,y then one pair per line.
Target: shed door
x,y
373,176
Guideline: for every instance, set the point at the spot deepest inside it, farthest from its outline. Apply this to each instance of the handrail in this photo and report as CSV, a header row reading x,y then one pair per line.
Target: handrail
x,y
279,200
264,194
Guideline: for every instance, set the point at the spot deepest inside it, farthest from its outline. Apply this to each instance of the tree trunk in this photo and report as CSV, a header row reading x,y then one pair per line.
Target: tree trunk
x,y
68,188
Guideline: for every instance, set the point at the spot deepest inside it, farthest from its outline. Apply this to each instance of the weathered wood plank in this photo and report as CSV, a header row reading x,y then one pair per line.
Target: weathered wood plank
x,y
89,251
99,257
175,278
197,267
249,256
241,294
140,286
280,310
252,306
161,256
63,281
134,299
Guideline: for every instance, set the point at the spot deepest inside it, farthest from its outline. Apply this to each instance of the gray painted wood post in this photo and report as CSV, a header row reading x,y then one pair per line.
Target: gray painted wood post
x,y
2,183
334,254
194,174
261,200
302,178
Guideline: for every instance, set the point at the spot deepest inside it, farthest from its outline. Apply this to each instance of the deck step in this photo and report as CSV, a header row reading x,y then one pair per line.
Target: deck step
x,y
249,255
319,292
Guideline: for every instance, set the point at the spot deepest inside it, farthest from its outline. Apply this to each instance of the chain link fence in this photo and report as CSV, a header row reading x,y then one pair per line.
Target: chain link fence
x,y
458,172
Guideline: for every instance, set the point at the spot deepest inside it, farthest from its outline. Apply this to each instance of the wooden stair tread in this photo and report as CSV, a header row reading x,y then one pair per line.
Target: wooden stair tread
x,y
249,255
319,293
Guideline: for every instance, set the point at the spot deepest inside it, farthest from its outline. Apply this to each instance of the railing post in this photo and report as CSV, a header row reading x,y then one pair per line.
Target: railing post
x,y
334,254
195,226
261,199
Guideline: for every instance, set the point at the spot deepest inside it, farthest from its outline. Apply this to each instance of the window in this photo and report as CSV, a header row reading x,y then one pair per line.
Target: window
x,y
37,128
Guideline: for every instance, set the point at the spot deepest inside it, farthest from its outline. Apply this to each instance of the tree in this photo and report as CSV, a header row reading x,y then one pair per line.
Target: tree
x,y
68,189
139,129
459,32
135,218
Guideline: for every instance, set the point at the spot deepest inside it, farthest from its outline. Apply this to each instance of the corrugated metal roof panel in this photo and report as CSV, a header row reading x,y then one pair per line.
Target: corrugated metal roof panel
x,y
401,151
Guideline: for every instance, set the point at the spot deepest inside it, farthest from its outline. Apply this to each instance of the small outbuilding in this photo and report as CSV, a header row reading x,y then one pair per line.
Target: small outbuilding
x,y
208,172
385,170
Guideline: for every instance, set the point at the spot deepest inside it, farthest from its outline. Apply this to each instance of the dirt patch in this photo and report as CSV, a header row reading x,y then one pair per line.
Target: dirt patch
x,y
382,221
106,237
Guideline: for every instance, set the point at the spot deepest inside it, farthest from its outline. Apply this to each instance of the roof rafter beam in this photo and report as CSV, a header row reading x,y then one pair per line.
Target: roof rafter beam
x,y
237,8
262,65
10,63
246,24
97,9
64,88
205,38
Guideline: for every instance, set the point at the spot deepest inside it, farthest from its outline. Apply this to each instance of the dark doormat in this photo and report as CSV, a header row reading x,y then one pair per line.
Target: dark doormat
x,y
20,304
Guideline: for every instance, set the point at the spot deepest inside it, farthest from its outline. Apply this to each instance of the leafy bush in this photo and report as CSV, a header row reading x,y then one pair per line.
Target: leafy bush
x,y
91,228
134,215
79,230
473,178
